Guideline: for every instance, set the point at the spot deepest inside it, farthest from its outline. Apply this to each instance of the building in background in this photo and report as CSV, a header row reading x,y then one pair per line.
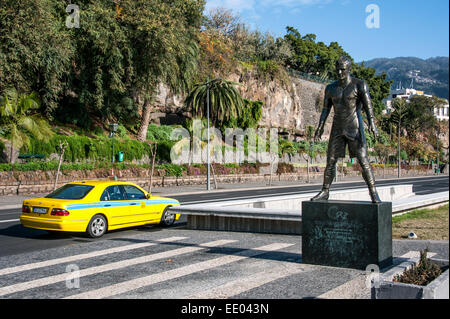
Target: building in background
x,y
441,112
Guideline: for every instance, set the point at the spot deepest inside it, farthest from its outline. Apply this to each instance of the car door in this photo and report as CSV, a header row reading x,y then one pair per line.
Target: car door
x,y
115,205
138,201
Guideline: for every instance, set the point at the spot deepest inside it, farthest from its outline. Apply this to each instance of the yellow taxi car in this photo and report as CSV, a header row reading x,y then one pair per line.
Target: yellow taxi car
x,y
95,207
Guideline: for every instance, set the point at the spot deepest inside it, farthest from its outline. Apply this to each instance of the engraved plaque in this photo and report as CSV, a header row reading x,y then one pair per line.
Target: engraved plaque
x,y
348,234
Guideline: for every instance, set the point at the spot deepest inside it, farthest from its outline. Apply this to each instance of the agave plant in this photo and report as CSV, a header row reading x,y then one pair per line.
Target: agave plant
x,y
19,116
225,100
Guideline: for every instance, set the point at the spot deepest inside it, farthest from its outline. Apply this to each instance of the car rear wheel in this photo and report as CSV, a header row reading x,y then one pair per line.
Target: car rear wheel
x,y
167,218
97,226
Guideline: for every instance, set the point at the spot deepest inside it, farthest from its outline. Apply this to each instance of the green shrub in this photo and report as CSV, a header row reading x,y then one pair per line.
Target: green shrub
x,y
82,148
159,133
5,167
171,169
163,150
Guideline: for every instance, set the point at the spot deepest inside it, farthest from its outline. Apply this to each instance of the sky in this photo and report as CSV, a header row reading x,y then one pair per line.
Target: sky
x,y
366,29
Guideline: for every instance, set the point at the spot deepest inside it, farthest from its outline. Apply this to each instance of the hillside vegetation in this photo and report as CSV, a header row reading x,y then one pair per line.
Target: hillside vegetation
x,y
61,84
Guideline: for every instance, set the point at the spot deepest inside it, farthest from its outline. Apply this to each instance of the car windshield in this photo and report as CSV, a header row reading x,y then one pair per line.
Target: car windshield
x,y
71,191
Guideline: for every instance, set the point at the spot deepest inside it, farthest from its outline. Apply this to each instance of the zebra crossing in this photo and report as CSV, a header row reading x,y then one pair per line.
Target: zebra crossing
x,y
167,267
178,264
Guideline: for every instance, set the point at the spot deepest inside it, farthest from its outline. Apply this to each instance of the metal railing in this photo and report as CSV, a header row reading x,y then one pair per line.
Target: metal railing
x,y
309,77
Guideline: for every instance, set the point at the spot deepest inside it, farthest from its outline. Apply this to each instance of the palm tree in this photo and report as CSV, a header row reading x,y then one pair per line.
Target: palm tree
x,y
225,100
19,117
400,107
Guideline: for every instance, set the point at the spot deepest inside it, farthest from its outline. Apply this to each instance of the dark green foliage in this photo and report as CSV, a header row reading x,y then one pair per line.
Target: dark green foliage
x,y
163,150
379,87
46,166
112,65
421,274
159,133
416,117
118,52
83,148
310,56
311,148
268,68
419,116
35,49
171,169
286,147
225,101
250,116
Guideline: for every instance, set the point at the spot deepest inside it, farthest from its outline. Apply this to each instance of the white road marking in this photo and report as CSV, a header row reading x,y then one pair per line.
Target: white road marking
x,y
241,285
134,284
9,221
51,262
107,267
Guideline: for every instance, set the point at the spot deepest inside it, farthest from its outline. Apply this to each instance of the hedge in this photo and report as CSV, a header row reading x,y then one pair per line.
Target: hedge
x,y
81,148
169,169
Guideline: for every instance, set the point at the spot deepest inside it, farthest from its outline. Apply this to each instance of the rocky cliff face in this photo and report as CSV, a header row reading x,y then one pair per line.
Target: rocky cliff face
x,y
289,107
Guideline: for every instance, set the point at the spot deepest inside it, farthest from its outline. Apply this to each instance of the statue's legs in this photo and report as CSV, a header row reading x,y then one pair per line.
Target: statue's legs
x,y
368,176
358,149
330,172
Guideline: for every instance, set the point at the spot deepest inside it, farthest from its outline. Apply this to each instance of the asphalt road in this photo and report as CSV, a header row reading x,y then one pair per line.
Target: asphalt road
x,y
16,239
421,186
185,264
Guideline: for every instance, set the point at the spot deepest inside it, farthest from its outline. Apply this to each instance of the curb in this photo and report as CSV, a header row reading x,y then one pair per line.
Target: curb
x,y
285,186
14,206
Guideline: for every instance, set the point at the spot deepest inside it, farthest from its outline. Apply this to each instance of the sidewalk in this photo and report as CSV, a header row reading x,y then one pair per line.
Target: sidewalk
x,y
15,201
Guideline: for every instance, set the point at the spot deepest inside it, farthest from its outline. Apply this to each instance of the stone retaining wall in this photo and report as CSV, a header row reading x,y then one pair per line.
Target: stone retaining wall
x,y
16,183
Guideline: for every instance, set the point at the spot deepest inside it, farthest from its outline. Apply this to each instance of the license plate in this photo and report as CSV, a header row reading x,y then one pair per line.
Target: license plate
x,y
40,210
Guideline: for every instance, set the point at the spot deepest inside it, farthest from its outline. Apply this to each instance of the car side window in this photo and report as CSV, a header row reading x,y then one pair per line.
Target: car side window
x,y
112,193
133,192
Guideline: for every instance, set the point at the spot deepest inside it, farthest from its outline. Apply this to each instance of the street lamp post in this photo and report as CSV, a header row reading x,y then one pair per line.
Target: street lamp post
x,y
438,170
399,158
208,171
208,179
113,130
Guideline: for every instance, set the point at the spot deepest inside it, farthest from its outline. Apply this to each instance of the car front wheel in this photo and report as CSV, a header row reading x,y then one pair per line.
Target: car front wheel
x,y
97,226
167,218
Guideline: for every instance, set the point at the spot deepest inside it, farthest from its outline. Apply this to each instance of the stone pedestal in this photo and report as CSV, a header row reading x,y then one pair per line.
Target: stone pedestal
x,y
349,234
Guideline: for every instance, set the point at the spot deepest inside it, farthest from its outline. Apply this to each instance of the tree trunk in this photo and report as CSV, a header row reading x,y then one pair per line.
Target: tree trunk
x,y
12,154
62,148
145,120
153,152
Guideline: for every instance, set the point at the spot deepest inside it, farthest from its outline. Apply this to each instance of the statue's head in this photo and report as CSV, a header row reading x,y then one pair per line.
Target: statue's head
x,y
343,67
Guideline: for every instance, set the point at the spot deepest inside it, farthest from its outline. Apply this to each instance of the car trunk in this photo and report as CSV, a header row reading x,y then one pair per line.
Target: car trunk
x,y
42,207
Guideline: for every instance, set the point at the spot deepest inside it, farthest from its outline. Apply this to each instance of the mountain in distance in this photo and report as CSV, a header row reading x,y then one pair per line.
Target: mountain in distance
x,y
430,75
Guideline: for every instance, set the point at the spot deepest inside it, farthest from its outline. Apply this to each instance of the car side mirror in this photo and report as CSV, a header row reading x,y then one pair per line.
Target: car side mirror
x,y
148,196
